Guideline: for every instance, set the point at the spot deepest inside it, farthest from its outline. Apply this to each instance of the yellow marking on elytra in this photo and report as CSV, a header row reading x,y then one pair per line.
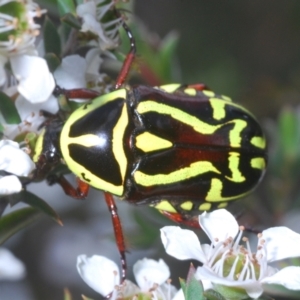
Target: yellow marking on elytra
x,y
259,142
258,163
199,126
235,134
223,205
204,206
148,142
193,170
87,140
169,88
208,93
38,149
118,141
165,206
215,192
177,114
188,205
75,167
190,91
218,107
233,164
226,98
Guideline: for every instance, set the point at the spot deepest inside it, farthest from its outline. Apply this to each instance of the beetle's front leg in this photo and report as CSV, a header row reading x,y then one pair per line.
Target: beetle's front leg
x,y
79,192
76,93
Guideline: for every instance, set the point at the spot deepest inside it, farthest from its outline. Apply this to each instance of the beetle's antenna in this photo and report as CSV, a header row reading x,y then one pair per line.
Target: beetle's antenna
x,y
129,57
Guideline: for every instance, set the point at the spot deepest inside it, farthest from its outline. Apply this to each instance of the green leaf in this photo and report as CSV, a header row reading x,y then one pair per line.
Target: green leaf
x,y
86,298
67,295
193,288
288,131
53,61
17,220
51,38
182,284
166,56
66,6
8,110
71,20
213,295
36,202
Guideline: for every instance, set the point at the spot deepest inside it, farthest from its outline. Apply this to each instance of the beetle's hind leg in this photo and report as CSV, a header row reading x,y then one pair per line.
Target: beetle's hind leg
x,y
118,231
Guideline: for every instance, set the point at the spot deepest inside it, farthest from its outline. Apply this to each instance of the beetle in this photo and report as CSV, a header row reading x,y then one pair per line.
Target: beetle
x,y
182,149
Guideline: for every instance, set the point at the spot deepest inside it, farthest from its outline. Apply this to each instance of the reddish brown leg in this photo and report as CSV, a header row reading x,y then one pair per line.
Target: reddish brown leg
x,y
199,86
76,93
178,218
118,231
79,192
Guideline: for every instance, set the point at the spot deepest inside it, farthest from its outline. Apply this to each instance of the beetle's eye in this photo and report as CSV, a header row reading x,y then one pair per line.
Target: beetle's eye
x,y
52,157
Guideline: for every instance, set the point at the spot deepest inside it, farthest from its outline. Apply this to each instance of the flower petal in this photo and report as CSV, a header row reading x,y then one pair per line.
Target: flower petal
x,y
289,277
31,111
14,160
181,243
99,272
2,70
179,295
36,83
219,225
280,243
71,73
86,8
10,185
11,268
149,272
252,287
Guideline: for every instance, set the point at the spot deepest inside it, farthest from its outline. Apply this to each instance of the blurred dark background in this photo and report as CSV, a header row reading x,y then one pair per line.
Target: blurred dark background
x,y
248,50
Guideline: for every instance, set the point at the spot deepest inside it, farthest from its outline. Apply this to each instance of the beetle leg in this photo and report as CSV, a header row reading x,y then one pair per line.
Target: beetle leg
x,y
75,93
179,218
198,87
117,230
79,192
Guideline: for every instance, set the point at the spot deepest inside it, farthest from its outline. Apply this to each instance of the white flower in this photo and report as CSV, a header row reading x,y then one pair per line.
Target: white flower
x,y
226,263
14,160
103,276
10,185
92,13
36,83
74,72
11,268
100,273
18,33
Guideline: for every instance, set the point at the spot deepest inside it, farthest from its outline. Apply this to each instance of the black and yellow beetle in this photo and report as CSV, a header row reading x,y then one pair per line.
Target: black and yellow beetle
x,y
179,148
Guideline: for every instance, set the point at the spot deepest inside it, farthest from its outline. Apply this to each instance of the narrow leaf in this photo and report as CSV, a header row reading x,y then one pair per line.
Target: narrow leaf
x,y
51,38
17,220
36,202
71,20
213,295
194,288
52,60
66,6
182,284
67,294
8,110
